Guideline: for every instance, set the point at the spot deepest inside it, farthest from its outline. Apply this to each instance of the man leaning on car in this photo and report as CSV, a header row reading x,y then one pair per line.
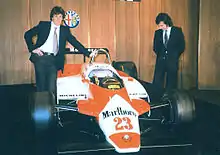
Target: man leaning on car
x,y
47,54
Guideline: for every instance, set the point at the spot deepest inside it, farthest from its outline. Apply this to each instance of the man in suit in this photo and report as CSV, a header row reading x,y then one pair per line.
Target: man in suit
x,y
47,54
168,45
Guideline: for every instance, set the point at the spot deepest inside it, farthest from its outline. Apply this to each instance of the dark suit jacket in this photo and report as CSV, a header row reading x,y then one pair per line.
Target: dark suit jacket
x,y
42,31
175,46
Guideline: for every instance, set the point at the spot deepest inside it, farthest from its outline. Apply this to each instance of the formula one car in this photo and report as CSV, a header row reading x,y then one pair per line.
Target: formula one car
x,y
113,101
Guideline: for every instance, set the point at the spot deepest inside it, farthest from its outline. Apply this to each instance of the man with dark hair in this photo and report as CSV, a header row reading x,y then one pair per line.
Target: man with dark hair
x,y
47,54
168,45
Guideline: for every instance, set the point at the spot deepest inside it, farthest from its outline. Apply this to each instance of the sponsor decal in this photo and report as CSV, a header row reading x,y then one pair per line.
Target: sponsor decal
x,y
116,112
71,19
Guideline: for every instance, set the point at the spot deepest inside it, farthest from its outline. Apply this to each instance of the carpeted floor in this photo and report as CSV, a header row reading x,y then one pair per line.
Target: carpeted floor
x,y
203,134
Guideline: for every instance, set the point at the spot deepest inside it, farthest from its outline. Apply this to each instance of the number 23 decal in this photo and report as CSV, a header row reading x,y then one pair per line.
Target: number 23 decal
x,y
123,123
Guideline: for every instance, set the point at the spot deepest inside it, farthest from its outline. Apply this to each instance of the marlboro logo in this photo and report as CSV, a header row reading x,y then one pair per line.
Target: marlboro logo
x,y
118,111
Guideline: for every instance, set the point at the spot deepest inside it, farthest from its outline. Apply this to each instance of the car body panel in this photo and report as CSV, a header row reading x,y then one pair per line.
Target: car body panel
x,y
116,110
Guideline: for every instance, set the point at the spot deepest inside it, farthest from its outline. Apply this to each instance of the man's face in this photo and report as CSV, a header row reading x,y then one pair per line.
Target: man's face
x,y
57,19
162,26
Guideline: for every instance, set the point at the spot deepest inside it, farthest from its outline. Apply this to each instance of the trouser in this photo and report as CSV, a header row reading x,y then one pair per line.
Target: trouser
x,y
165,72
45,73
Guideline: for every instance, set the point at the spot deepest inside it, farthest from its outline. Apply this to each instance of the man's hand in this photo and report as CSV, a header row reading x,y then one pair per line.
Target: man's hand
x,y
94,53
38,52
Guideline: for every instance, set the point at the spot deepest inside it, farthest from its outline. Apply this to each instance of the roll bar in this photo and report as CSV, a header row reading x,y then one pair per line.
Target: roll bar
x,y
100,51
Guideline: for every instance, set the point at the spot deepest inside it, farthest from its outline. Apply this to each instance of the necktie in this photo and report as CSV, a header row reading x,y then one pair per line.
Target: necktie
x,y
55,42
165,38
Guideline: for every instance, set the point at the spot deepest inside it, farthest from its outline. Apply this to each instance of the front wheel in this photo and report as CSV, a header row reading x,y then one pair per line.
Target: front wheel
x,y
181,106
43,121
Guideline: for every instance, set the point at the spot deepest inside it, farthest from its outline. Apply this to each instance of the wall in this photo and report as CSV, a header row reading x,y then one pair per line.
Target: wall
x,y
125,28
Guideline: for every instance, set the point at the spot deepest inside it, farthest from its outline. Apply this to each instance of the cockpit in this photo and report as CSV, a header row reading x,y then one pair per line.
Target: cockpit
x,y
106,78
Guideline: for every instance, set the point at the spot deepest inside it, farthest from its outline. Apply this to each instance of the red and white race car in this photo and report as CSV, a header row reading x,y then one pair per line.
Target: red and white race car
x,y
116,102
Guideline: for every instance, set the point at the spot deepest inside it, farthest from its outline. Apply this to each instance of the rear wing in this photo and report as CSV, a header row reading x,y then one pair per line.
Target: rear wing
x,y
76,52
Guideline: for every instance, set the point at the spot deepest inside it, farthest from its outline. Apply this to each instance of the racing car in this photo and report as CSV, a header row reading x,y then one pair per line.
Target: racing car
x,y
116,103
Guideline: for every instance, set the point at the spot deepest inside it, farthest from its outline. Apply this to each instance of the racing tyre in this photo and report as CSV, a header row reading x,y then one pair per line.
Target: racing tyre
x,y
181,106
43,122
128,67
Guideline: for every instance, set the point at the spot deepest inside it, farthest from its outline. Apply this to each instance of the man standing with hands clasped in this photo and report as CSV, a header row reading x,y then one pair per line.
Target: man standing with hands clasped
x,y
168,45
47,54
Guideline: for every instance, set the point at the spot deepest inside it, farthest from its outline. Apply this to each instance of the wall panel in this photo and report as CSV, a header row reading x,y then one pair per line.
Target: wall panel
x,y
127,32
148,12
209,45
81,32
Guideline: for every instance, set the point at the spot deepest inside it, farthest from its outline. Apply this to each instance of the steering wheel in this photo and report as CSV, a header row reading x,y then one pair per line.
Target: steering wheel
x,y
111,83
101,51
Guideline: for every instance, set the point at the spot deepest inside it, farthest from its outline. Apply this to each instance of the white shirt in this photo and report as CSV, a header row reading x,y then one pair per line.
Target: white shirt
x,y
168,33
48,45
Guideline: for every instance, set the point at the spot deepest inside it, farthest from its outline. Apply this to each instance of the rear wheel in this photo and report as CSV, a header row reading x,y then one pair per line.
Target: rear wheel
x,y
181,107
43,121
